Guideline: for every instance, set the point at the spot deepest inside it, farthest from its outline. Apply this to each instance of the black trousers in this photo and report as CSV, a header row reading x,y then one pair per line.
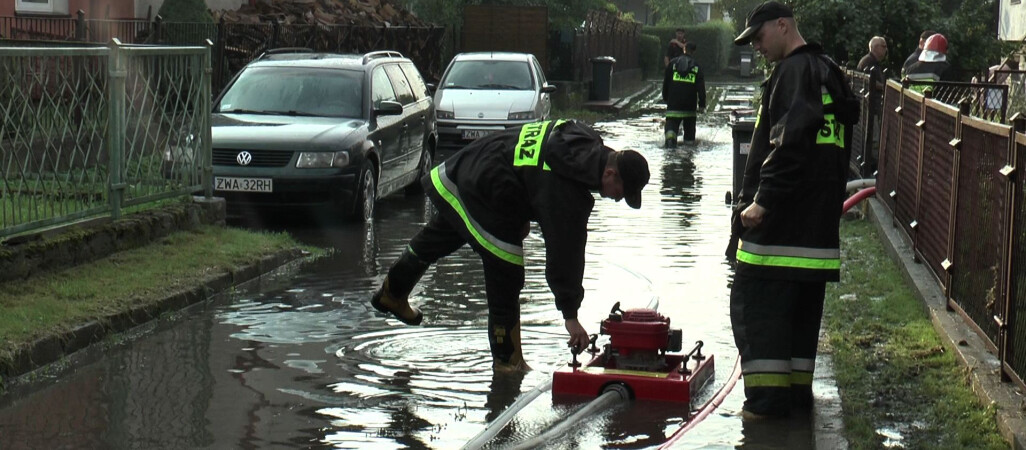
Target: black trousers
x,y
776,329
673,124
503,280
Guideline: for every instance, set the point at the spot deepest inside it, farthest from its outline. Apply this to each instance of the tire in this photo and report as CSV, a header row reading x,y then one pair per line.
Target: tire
x,y
423,170
366,196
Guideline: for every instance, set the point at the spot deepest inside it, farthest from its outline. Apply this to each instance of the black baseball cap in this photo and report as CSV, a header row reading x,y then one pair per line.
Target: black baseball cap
x,y
633,170
760,15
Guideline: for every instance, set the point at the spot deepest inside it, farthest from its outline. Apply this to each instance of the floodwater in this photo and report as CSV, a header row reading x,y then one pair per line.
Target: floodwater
x,y
299,359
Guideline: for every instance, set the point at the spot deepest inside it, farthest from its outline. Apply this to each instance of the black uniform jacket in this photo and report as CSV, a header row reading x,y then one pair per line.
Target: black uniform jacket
x,y
542,172
796,169
683,85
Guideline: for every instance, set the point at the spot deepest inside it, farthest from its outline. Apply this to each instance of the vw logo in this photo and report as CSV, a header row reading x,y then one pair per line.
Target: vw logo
x,y
480,115
244,158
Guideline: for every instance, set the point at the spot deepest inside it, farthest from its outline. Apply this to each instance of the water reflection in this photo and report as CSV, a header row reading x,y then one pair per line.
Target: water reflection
x,y
303,361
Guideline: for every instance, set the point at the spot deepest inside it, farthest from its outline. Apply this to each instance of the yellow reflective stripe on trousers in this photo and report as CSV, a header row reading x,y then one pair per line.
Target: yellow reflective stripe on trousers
x,y
512,254
767,380
786,256
801,378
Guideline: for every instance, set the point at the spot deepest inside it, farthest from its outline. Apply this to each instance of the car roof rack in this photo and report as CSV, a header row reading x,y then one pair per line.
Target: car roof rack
x,y
277,51
381,54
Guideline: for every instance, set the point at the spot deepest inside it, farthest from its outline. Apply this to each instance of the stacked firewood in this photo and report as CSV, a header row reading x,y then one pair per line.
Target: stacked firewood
x,y
323,12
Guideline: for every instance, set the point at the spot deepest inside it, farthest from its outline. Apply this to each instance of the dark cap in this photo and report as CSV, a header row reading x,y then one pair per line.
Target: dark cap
x,y
760,15
633,170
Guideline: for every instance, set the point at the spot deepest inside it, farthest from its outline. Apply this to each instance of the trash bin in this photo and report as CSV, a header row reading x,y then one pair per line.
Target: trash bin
x,y
742,128
601,78
746,63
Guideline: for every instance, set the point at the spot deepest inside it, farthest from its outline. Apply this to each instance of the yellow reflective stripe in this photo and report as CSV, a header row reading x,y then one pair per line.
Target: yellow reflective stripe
x,y
454,202
758,117
767,380
796,262
689,78
832,132
802,378
528,148
827,99
680,114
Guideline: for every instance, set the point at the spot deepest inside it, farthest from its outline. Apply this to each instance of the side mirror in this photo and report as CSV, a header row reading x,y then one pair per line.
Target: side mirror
x,y
432,87
548,89
388,108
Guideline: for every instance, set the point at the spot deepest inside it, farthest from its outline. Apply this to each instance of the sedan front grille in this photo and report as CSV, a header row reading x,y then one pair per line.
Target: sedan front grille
x,y
260,158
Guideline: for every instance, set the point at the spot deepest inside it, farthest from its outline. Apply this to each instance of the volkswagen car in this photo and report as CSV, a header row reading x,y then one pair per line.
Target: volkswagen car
x,y
489,91
297,129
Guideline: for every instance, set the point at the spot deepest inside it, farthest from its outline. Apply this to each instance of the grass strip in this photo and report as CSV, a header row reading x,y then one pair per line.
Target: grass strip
x,y
55,303
899,385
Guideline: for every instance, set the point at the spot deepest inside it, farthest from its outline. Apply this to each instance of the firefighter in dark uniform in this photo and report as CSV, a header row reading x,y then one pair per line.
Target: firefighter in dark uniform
x,y
487,194
683,91
785,232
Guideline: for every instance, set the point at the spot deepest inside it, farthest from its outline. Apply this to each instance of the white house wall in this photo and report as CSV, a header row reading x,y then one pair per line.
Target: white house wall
x,y
1012,21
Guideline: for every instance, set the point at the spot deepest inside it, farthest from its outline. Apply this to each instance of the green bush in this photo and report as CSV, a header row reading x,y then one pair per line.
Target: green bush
x,y
194,11
650,56
714,40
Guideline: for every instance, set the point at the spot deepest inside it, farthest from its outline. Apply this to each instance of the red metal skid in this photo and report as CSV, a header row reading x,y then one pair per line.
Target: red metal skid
x,y
591,378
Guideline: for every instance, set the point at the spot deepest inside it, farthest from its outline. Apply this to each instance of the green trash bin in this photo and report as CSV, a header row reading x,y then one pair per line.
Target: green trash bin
x,y
601,78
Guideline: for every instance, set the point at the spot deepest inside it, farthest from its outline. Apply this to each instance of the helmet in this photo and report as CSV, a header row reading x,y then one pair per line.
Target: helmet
x,y
935,48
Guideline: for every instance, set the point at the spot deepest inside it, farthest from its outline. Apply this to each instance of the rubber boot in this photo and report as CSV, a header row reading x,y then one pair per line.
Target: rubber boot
x,y
507,353
671,140
393,295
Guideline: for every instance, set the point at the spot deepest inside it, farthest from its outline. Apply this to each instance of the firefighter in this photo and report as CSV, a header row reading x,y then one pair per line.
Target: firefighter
x,y
487,194
785,238
683,90
933,62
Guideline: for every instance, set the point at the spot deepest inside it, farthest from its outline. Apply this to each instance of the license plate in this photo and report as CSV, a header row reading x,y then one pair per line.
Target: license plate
x,y
242,184
475,134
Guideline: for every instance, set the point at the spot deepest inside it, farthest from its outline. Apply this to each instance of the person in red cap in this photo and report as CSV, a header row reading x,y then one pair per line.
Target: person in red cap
x,y
933,62
784,233
487,194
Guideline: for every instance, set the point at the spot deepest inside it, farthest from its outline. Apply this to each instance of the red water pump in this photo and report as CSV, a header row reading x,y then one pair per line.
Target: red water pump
x,y
638,356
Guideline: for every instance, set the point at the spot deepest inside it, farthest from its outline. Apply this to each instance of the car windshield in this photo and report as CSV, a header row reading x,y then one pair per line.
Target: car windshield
x,y
513,75
296,91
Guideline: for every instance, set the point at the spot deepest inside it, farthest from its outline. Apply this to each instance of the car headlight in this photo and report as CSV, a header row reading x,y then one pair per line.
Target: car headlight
x,y
320,160
183,151
524,115
440,114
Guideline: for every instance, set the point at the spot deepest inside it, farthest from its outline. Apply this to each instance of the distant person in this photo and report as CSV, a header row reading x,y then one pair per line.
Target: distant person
x,y
872,63
933,62
676,47
785,237
487,195
915,55
684,94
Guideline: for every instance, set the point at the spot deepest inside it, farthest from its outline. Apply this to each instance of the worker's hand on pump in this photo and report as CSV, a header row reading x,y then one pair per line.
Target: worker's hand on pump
x,y
579,338
751,217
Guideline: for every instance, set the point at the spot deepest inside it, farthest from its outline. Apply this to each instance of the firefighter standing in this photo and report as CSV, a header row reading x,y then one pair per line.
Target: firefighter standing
x,y
488,193
788,215
933,62
683,91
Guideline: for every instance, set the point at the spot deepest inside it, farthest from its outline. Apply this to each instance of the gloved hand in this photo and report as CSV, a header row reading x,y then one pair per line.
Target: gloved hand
x,y
579,338
736,228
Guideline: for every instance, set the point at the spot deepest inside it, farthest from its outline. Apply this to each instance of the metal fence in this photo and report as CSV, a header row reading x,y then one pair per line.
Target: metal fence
x,y
89,131
952,182
988,101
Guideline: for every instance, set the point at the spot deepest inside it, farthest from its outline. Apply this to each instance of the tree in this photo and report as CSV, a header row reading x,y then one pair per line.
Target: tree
x,y
185,11
672,12
562,13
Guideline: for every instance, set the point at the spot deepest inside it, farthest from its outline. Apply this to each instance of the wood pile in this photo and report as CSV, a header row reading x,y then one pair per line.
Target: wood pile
x,y
323,12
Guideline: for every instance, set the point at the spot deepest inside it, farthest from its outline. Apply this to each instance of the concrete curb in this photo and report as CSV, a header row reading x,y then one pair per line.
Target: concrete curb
x,y
982,366
827,416
53,348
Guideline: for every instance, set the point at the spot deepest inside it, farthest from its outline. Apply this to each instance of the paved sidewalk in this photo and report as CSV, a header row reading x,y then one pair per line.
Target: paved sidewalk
x,y
969,348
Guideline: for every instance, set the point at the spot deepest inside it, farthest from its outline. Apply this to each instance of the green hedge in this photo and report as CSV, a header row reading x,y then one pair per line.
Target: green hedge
x,y
650,56
715,42
185,11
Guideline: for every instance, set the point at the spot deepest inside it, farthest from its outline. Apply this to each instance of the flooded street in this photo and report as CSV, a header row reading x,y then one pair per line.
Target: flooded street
x,y
300,359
